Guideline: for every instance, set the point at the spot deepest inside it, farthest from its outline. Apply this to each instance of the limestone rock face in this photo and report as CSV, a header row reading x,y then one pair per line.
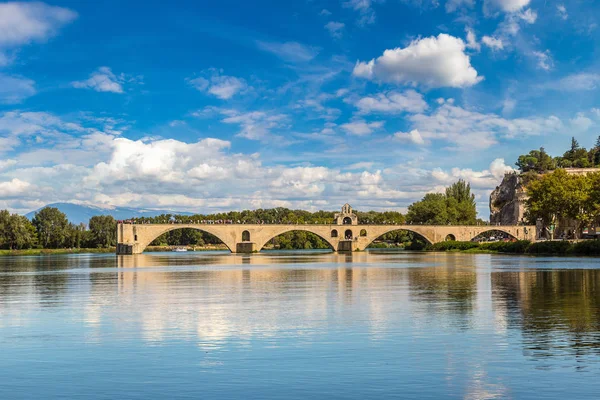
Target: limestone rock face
x,y
507,201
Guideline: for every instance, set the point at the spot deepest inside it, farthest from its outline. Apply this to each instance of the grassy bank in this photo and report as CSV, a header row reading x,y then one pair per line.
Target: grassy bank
x,y
582,248
49,252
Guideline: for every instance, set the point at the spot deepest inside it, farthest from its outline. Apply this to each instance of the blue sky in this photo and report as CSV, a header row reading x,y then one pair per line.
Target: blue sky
x,y
208,106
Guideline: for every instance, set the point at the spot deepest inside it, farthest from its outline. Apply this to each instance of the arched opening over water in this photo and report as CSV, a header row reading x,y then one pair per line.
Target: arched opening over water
x,y
297,240
188,238
495,235
400,239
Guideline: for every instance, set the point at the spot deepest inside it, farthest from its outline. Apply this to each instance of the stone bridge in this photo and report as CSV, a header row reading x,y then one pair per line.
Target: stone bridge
x,y
345,235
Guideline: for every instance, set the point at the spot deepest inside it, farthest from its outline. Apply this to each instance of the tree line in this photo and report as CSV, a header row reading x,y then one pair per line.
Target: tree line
x,y
538,161
51,229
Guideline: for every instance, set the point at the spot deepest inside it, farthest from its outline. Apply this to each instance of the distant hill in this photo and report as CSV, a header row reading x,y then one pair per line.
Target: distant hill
x,y
77,213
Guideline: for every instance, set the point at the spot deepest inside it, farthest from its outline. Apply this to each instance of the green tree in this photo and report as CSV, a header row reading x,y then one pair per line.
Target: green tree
x,y
431,210
21,233
103,231
456,206
52,227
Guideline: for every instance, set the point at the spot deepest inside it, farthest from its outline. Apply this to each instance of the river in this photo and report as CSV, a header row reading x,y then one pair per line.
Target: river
x,y
303,325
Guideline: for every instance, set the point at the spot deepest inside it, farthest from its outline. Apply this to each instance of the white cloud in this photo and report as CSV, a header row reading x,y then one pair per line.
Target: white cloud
x,y
23,22
413,137
562,11
583,81
581,123
473,130
289,51
472,40
365,10
544,60
335,28
221,86
392,102
361,127
15,89
13,188
4,164
453,5
493,42
433,62
507,5
528,16
254,125
102,80
486,179
596,112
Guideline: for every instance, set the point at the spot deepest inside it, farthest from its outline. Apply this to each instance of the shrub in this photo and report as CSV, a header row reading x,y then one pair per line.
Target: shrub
x,y
587,247
553,247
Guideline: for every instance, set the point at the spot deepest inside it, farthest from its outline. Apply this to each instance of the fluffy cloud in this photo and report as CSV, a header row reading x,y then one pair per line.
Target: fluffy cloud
x,y
492,42
507,5
13,188
392,103
361,127
433,62
102,80
222,86
413,137
15,89
474,130
479,179
22,23
335,28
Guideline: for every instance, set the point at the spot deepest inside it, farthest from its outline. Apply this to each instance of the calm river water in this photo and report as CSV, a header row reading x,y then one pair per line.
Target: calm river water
x,y
299,326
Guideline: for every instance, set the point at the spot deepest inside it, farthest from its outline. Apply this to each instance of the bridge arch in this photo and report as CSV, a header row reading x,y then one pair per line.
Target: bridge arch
x,y
512,235
323,235
380,233
147,236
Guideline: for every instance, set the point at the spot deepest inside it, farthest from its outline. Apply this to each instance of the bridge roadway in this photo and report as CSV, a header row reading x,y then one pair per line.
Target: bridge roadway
x,y
248,238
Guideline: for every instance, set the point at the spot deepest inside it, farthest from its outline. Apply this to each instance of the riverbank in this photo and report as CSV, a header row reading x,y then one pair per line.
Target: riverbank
x,y
565,248
50,252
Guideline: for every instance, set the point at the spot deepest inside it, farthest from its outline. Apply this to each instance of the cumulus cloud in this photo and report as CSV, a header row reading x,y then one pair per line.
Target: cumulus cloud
x,y
432,62
13,188
221,86
413,137
392,103
474,130
506,5
24,22
335,28
493,43
15,89
289,51
485,179
361,127
581,123
102,80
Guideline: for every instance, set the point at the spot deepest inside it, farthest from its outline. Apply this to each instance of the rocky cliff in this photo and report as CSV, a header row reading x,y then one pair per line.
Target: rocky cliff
x,y
507,201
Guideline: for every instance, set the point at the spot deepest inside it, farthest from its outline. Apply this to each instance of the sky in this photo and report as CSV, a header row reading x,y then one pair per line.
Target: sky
x,y
207,106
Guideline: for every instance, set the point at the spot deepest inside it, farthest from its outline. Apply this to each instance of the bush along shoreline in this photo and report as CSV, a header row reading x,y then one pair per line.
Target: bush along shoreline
x,y
583,248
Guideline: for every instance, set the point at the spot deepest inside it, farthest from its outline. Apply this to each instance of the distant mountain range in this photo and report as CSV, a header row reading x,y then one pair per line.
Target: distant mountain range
x,y
77,213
